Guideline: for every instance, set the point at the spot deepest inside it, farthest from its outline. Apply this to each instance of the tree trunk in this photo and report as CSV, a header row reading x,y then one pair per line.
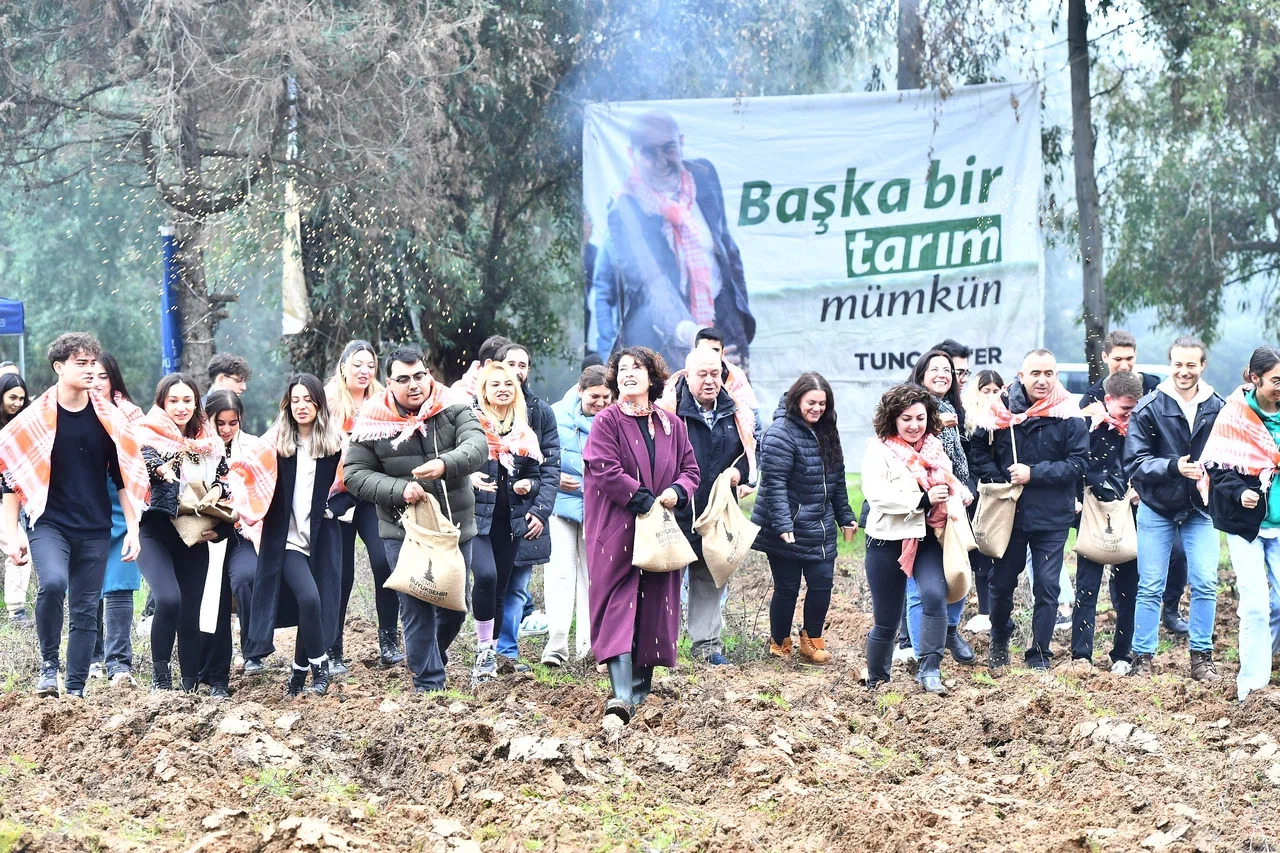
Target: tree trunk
x,y
198,312
1090,222
910,44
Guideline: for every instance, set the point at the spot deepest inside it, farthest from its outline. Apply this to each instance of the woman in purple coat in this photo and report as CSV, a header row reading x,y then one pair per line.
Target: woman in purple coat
x,y
636,454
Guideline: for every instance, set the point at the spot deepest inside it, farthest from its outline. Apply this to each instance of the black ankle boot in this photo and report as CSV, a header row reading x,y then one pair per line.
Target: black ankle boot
x,y
319,678
190,685
622,680
961,651
930,674
642,684
161,677
297,681
389,644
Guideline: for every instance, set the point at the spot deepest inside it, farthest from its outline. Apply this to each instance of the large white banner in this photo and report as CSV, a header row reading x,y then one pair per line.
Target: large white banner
x,y
839,233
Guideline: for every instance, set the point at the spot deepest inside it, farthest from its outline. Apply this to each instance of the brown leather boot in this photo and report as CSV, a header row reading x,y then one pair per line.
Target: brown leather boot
x,y
780,651
1203,667
814,650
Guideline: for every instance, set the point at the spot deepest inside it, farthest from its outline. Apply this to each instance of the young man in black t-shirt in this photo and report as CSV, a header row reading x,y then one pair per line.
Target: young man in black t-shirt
x,y
59,455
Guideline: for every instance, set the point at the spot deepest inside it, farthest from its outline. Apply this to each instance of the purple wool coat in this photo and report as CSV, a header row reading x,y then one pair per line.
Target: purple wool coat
x,y
631,610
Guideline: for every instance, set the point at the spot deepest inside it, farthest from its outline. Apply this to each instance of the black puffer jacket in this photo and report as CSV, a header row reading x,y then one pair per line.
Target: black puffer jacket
x,y
1056,450
542,420
798,494
529,552
715,448
373,471
1158,437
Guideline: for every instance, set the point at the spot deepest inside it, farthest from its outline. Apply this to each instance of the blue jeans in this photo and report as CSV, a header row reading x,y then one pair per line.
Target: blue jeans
x,y
914,612
1257,566
513,611
1155,542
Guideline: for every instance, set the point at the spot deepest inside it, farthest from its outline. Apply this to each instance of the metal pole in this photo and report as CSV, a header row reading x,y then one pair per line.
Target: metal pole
x,y
22,353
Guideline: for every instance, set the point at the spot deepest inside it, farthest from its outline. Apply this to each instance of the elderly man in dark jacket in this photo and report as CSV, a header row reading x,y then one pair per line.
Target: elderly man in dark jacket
x,y
708,414
1052,455
669,264
404,445
518,605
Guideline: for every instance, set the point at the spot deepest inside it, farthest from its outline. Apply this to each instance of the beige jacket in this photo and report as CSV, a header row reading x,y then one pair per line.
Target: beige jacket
x,y
893,496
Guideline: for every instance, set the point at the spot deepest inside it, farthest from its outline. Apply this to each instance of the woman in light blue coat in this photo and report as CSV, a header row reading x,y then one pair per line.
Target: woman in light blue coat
x,y
565,579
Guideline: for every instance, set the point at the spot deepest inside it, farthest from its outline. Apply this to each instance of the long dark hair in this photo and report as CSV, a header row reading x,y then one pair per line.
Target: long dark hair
x,y
116,378
192,428
221,401
953,393
825,428
8,382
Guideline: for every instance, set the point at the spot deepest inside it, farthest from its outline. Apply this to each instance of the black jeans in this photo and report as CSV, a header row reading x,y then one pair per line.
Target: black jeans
x,y
385,601
1046,566
295,572
70,573
787,573
888,584
428,630
114,645
176,574
492,559
982,566
1124,597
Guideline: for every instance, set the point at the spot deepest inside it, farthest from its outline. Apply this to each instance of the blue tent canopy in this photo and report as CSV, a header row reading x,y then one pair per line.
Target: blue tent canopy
x,y
12,319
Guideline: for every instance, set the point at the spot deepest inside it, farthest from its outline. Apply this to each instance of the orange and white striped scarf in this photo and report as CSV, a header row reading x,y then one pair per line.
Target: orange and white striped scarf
x,y
26,447
132,413
157,430
380,417
253,479
689,235
1240,441
744,400
519,441
1058,403
931,467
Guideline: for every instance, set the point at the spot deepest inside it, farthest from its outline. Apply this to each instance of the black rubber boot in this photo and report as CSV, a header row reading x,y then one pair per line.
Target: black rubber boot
x,y
960,650
389,645
190,685
643,684
879,661
297,681
161,677
930,674
319,678
622,680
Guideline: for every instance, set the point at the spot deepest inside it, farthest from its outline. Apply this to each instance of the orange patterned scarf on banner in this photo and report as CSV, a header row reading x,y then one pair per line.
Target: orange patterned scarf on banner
x,y
931,467
253,479
26,445
380,418
520,441
687,227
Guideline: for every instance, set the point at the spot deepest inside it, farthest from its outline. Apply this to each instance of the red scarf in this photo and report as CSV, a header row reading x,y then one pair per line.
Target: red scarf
x,y
27,442
1119,425
158,430
380,417
646,411
519,441
930,465
1057,404
686,227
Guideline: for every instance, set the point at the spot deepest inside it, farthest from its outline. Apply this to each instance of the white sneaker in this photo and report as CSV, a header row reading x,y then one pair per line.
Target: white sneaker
x,y
123,679
144,626
1121,667
980,624
901,655
486,668
535,624
97,669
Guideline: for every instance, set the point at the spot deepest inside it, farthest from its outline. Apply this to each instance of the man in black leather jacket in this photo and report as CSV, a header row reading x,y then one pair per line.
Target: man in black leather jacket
x,y
1167,431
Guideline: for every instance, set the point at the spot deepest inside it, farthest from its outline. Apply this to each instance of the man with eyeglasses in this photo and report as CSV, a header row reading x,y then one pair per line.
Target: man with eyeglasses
x,y
407,443
669,265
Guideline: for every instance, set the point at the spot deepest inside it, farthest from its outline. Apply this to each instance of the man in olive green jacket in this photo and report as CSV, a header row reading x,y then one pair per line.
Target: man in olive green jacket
x,y
404,444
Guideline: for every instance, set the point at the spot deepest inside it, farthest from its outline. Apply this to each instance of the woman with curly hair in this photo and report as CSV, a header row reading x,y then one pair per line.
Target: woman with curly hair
x,y
907,479
636,455
802,499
